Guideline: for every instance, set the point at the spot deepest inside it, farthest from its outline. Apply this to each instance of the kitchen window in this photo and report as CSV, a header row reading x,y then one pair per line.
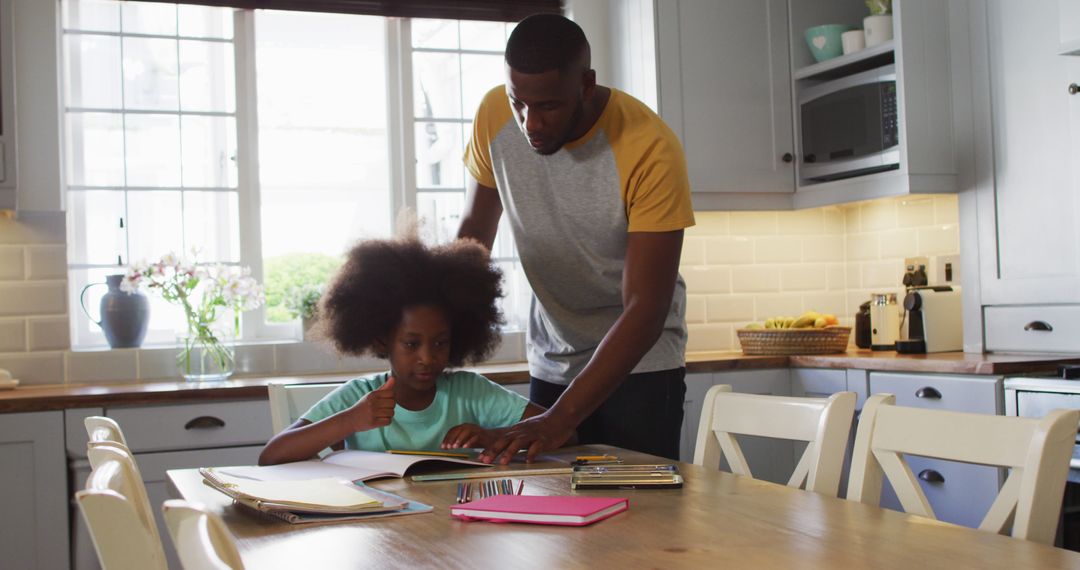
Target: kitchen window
x,y
267,139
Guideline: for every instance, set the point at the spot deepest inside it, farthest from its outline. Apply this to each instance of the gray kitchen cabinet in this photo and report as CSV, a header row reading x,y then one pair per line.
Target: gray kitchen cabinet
x,y
725,90
1069,26
769,459
959,493
822,383
178,436
33,491
1026,119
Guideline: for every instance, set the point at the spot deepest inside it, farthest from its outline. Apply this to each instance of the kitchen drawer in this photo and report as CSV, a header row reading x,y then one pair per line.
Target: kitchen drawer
x,y
975,394
961,495
194,426
1017,328
817,382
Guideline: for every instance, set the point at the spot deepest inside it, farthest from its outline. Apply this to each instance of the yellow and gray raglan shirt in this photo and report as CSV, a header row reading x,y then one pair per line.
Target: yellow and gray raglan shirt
x,y
570,213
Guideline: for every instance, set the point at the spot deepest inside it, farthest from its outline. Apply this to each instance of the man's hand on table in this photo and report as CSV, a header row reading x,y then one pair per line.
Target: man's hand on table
x,y
538,433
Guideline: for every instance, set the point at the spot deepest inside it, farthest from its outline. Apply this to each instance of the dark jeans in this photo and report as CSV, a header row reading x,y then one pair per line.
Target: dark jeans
x,y
644,414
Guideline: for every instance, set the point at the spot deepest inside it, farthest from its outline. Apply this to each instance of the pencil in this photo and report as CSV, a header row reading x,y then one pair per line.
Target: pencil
x,y
431,453
521,486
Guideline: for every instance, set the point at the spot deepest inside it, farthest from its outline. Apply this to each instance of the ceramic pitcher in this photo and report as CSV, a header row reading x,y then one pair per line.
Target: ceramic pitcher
x,y
124,316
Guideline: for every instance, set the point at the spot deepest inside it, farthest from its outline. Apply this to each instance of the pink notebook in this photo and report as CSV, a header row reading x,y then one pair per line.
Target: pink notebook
x,y
560,510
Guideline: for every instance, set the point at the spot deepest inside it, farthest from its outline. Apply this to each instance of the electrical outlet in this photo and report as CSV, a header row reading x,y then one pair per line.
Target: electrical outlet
x,y
915,262
945,270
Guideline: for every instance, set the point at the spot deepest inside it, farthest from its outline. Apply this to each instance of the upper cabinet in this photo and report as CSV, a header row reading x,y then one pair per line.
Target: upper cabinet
x,y
737,83
7,109
725,89
1069,23
1027,119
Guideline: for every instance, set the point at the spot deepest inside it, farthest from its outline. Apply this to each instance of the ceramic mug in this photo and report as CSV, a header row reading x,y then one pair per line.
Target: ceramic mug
x,y
853,41
878,29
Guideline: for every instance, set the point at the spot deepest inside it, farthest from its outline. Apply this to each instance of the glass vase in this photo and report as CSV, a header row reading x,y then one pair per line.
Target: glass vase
x,y
206,357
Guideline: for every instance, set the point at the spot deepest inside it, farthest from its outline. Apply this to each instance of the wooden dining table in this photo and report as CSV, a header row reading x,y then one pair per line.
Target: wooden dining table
x,y
716,520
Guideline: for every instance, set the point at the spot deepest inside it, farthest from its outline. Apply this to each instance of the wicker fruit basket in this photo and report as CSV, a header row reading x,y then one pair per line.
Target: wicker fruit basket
x,y
777,342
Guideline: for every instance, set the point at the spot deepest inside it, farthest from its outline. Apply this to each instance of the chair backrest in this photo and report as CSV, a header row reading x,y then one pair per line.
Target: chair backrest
x,y
102,429
289,401
117,512
824,423
1036,452
201,539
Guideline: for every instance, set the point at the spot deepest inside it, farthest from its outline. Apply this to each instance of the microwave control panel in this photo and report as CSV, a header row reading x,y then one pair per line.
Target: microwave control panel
x,y
889,131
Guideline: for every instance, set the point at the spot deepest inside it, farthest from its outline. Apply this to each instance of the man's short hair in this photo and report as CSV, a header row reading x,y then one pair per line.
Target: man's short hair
x,y
543,42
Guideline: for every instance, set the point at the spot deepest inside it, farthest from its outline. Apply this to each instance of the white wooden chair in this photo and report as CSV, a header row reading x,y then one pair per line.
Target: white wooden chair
x,y
1036,451
824,423
102,429
201,539
289,401
117,512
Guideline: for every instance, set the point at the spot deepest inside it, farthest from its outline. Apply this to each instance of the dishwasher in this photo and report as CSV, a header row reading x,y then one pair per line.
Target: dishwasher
x,y
1033,396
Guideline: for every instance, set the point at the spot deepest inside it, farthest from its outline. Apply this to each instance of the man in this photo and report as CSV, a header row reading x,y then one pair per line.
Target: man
x,y
595,188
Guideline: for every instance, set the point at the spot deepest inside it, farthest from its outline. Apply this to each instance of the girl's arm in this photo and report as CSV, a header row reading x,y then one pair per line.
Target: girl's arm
x,y
472,435
303,440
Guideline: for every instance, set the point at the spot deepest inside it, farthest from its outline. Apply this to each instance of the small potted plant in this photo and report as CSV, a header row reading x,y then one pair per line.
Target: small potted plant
x,y
303,303
878,25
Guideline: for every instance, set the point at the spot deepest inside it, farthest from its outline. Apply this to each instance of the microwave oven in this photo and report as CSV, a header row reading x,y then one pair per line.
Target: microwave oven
x,y
848,126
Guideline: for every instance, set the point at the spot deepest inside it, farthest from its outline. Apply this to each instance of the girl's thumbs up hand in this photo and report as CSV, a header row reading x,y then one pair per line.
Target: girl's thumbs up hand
x,y
376,409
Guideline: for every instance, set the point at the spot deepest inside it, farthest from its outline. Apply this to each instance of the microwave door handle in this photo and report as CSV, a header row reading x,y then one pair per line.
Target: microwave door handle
x,y
878,75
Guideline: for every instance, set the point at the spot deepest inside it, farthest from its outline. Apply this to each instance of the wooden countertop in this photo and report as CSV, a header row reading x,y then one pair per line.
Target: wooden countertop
x,y
63,396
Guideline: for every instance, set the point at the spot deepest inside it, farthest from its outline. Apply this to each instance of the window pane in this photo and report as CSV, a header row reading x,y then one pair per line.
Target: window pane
x,y
438,156
483,35
149,18
153,150
95,15
436,85
210,225
207,77
166,319
150,73
435,34
504,240
95,149
516,295
95,232
92,70
440,215
479,74
209,150
154,225
205,22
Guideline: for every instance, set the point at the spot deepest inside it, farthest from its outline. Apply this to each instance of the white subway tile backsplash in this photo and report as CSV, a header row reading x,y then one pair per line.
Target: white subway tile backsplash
x,y
701,280
709,337
882,273
695,308
37,298
47,262
913,212
693,251
366,364
300,358
112,366
877,215
852,218
898,243
12,264
709,224
729,308
34,368
159,363
254,359
755,279
12,335
861,247
729,250
811,277
780,249
823,248
49,333
802,222
946,209
34,228
834,220
754,223
836,274
826,303
943,239
769,306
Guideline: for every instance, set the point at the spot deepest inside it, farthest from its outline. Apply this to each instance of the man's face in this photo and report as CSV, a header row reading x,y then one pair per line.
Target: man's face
x,y
548,106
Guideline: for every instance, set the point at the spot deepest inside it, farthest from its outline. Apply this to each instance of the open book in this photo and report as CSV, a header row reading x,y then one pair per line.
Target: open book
x,y
350,465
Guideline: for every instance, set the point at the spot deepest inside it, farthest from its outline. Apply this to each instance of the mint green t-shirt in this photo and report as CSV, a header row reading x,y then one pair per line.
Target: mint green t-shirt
x,y
460,397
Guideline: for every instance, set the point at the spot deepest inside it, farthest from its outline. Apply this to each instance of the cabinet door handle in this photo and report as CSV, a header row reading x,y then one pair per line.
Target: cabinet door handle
x,y
928,393
931,476
1074,89
1038,326
788,157
205,422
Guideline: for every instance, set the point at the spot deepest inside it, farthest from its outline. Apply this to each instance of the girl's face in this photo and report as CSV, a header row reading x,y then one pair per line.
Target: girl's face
x,y
420,347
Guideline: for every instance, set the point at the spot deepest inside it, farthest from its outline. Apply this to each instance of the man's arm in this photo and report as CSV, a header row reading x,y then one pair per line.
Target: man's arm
x,y
482,212
652,266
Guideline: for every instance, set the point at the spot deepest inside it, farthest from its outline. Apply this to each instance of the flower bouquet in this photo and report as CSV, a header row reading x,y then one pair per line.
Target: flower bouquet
x,y
207,294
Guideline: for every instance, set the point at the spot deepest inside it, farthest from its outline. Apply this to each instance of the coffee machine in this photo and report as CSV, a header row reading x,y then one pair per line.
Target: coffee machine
x,y
934,321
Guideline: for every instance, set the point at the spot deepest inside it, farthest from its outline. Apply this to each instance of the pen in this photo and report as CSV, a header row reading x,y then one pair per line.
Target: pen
x,y
431,453
521,486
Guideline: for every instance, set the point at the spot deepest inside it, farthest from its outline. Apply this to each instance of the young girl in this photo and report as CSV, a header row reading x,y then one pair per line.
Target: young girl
x,y
424,309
